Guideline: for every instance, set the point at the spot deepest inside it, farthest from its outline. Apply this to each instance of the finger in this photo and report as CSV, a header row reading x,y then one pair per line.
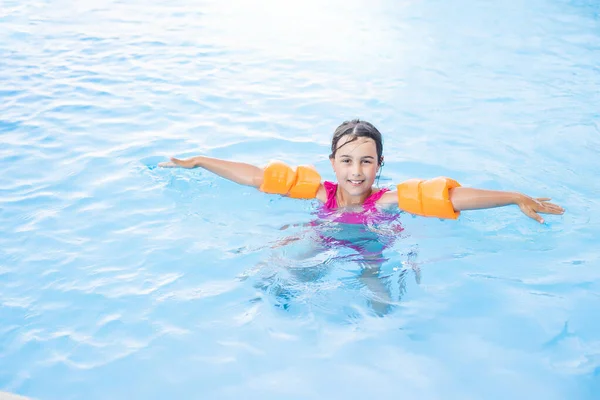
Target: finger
x,y
552,209
180,163
548,205
545,207
532,214
552,205
166,164
544,199
556,212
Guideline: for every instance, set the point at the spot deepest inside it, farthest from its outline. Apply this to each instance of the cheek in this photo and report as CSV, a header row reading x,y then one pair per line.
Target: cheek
x,y
339,172
372,171
340,169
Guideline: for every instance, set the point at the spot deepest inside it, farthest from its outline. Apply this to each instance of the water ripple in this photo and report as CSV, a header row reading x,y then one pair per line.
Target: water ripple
x,y
111,267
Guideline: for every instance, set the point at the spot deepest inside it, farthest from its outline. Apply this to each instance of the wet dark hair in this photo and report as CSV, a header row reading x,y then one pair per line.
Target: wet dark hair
x,y
357,129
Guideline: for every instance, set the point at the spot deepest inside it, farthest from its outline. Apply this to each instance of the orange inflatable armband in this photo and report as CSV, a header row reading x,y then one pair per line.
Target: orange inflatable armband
x,y
429,198
280,178
307,183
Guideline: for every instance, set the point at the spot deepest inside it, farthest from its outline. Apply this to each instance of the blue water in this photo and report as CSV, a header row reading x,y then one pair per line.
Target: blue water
x,y
119,280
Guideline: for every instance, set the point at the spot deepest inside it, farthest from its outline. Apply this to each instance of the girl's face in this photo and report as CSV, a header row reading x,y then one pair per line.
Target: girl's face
x,y
355,165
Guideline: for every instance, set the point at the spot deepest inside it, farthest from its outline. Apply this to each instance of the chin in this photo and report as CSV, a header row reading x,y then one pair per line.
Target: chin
x,y
357,191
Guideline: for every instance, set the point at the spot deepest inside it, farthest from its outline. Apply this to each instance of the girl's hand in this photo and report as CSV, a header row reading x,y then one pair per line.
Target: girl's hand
x,y
531,207
175,162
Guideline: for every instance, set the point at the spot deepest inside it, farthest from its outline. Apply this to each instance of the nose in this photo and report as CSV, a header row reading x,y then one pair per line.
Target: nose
x,y
356,169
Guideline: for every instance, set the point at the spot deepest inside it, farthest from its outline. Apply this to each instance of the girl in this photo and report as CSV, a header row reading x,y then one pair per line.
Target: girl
x,y
353,205
356,157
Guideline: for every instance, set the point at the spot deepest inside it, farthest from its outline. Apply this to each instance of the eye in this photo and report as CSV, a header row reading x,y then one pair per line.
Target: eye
x,y
346,161
367,161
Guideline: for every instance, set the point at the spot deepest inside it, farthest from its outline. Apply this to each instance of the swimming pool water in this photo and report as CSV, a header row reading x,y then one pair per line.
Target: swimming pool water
x,y
121,280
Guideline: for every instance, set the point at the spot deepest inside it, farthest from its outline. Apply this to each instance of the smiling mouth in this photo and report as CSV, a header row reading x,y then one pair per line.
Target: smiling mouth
x,y
356,183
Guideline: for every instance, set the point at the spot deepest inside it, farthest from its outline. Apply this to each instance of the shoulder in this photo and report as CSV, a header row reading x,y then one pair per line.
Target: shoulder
x,y
326,190
389,198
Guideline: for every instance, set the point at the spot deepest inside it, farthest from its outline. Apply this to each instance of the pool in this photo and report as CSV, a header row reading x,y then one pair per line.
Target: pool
x,y
122,280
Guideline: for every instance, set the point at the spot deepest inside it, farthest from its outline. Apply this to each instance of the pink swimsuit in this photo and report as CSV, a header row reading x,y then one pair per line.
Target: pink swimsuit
x,y
356,235
368,214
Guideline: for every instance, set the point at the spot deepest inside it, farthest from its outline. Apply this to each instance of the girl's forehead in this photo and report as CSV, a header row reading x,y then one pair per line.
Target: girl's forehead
x,y
353,145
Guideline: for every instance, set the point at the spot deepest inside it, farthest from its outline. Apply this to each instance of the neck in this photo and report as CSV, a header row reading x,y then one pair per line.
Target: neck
x,y
344,199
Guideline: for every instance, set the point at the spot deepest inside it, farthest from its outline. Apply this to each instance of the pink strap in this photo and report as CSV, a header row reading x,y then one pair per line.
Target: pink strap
x,y
372,199
331,189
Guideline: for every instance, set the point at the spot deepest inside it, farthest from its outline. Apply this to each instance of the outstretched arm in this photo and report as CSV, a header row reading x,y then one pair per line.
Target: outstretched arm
x,y
463,198
242,173
475,199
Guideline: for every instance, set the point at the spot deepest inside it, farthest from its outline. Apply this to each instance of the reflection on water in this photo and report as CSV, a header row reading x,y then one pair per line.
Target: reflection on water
x,y
313,264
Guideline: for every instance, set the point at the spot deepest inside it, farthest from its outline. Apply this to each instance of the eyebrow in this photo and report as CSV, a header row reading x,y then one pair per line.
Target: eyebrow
x,y
349,156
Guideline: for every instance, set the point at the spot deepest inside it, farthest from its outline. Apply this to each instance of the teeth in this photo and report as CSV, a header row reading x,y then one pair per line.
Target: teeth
x,y
356,182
